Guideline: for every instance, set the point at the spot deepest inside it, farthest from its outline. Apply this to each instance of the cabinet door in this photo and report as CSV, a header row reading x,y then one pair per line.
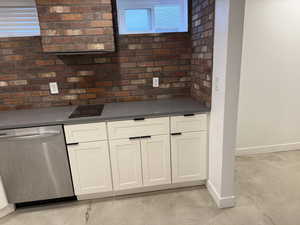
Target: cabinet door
x,y
156,160
189,157
126,164
90,167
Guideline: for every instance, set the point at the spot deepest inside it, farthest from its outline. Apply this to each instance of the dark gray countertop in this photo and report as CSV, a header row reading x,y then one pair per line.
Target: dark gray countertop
x,y
112,111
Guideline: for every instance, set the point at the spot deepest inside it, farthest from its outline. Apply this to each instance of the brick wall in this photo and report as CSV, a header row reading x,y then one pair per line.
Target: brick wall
x,y
183,61
202,48
122,76
76,26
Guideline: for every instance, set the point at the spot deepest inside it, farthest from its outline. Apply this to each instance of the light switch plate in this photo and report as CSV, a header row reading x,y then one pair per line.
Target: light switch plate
x,y
53,88
155,81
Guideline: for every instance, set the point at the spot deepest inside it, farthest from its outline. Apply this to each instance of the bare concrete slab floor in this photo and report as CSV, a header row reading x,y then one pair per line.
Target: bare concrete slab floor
x,y
268,187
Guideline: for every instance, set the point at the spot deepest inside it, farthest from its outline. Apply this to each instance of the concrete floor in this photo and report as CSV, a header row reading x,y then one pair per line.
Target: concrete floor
x,y
268,190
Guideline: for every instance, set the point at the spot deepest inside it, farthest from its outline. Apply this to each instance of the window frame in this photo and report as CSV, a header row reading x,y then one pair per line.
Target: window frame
x,y
147,4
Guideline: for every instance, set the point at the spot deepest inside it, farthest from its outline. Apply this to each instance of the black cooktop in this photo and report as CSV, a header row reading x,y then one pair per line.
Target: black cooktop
x,y
87,111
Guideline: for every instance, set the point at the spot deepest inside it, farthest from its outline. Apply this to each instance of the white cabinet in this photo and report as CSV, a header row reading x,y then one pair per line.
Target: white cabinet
x,y
137,155
189,156
126,164
156,160
90,167
189,148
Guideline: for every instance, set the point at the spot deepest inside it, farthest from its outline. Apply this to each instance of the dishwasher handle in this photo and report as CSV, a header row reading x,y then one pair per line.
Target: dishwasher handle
x,y
31,135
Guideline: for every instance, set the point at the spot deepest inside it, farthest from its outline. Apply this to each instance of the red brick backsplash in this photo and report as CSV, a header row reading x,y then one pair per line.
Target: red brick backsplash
x,y
25,72
202,31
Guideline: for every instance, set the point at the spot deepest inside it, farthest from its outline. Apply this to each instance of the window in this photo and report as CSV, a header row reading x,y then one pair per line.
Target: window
x,y
152,16
18,18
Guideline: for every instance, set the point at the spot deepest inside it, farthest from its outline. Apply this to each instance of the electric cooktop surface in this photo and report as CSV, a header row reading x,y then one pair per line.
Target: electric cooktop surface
x,y
87,111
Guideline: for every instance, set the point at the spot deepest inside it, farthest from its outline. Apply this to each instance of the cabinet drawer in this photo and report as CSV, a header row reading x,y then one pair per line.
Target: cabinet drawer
x,y
191,123
137,128
85,132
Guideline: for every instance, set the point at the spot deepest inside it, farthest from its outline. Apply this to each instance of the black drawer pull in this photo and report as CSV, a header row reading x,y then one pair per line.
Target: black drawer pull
x,y
144,137
3,134
139,119
73,144
191,114
133,138
174,134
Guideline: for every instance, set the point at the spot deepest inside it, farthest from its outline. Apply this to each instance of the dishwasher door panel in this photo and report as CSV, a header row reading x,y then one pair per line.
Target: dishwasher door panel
x,y
34,164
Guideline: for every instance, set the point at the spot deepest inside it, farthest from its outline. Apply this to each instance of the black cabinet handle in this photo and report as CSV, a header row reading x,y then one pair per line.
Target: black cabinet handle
x,y
191,114
144,137
73,144
176,134
139,119
133,138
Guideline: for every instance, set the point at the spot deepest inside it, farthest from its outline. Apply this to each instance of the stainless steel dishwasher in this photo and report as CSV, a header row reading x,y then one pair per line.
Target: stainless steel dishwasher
x,y
34,164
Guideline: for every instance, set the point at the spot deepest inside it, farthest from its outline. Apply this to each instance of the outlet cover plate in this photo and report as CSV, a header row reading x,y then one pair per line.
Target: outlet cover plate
x,y
155,81
53,88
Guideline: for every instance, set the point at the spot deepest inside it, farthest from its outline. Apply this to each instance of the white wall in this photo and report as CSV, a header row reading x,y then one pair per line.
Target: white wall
x,y
269,108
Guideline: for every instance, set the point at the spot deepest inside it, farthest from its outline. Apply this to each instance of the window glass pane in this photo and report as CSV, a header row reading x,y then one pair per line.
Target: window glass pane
x,y
167,17
18,18
137,20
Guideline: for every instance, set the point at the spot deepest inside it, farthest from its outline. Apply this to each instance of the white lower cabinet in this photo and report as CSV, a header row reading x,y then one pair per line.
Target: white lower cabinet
x,y
189,156
130,162
90,166
126,164
156,160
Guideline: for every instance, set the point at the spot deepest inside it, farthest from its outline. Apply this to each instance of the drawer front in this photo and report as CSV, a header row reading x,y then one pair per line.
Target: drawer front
x,y
132,128
85,132
191,123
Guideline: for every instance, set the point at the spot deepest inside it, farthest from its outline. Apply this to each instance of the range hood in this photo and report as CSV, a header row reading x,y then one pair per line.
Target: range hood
x,y
85,27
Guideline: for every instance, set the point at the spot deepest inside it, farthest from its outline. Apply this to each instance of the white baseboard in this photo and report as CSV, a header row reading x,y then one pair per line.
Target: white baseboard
x,y
222,202
140,190
7,210
268,148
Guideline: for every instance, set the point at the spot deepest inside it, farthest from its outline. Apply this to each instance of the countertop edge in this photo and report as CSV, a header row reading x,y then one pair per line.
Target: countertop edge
x,y
152,115
99,119
112,112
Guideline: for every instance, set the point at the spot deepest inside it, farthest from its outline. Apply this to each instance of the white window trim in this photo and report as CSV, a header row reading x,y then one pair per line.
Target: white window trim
x,y
121,8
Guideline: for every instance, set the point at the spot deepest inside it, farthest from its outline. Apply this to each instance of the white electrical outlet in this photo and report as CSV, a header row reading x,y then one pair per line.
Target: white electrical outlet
x,y
53,88
155,81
